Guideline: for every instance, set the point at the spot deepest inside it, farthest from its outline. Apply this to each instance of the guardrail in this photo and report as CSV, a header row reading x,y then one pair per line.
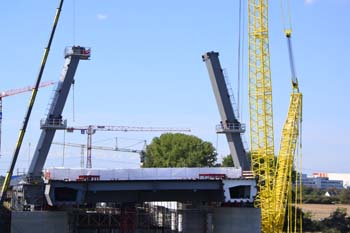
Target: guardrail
x,y
53,124
231,128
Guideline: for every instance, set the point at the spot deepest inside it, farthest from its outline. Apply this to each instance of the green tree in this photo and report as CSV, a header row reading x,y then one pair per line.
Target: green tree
x,y
227,161
337,221
344,196
308,225
179,150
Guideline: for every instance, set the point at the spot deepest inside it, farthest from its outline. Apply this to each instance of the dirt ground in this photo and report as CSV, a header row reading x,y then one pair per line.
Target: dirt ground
x,y
321,211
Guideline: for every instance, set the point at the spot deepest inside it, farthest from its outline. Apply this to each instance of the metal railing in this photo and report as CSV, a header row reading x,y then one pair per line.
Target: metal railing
x,y
83,52
53,124
230,128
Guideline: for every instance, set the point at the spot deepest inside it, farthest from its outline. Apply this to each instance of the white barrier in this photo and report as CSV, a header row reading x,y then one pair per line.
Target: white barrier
x,y
73,174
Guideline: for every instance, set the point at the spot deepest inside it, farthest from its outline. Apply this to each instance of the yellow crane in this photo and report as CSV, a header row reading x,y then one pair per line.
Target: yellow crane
x,y
274,180
260,108
288,145
285,160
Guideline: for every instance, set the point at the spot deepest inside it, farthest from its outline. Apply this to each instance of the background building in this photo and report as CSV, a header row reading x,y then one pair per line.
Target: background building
x,y
321,181
345,177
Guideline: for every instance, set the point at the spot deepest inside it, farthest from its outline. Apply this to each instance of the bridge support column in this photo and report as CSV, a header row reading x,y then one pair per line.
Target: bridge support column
x,y
179,222
209,228
173,221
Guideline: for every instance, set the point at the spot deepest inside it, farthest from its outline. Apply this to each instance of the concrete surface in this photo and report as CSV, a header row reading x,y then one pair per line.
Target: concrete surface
x,y
39,222
236,220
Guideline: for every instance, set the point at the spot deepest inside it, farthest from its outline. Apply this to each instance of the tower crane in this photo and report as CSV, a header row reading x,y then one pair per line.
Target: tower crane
x,y
116,148
12,92
91,129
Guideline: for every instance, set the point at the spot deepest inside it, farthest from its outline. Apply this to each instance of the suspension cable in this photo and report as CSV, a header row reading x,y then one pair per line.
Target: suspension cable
x,y
242,57
74,43
74,22
73,99
239,57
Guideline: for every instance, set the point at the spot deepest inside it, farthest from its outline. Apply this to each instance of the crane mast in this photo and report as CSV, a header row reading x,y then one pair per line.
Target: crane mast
x,y
260,107
229,123
54,120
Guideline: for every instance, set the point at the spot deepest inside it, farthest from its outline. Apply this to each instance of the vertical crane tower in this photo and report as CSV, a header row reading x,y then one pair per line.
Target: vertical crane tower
x,y
260,106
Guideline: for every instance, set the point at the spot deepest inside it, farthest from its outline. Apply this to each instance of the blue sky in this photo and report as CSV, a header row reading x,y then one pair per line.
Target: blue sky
x,y
146,70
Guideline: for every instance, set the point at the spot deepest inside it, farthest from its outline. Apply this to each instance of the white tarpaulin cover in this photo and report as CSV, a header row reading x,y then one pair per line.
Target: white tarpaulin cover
x,y
73,174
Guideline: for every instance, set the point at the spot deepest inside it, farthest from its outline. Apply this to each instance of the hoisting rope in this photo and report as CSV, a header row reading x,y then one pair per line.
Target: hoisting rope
x,y
287,28
300,203
285,9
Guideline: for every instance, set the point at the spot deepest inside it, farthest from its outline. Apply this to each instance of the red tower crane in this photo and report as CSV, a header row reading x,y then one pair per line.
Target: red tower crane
x,y
15,92
91,129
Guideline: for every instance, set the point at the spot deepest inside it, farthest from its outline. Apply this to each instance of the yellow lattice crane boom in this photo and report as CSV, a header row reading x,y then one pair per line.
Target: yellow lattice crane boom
x,y
288,145
260,106
274,180
285,161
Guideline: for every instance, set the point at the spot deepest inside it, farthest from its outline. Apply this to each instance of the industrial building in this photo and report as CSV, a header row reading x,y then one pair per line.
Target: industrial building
x,y
345,177
321,182
338,178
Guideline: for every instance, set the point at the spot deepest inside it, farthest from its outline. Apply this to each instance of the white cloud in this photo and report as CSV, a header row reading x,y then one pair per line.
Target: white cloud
x,y
102,17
